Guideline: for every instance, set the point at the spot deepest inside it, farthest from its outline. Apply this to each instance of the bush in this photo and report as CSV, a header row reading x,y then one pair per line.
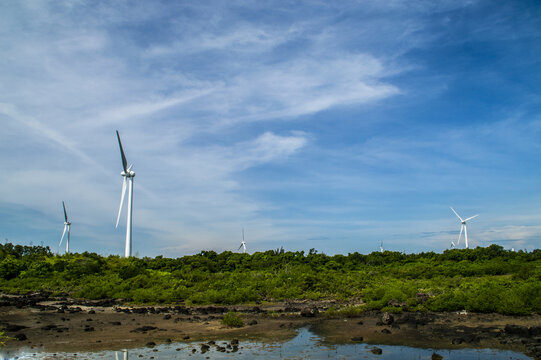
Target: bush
x,y
232,319
392,309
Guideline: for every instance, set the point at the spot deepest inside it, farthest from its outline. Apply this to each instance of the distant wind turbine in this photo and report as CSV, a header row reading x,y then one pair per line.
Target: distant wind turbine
x,y
462,227
128,175
67,226
381,246
243,243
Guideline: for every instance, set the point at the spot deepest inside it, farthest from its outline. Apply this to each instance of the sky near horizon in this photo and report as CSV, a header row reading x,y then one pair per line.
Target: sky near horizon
x,y
310,124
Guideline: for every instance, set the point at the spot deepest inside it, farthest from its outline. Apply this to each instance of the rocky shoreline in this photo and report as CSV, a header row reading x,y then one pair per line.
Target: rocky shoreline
x,y
38,321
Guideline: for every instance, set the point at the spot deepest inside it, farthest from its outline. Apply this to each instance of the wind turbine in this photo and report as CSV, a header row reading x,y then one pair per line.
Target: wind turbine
x,y
67,226
463,227
243,243
381,246
128,175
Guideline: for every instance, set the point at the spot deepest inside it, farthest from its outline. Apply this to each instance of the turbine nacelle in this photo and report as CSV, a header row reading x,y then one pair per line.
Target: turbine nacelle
x,y
128,174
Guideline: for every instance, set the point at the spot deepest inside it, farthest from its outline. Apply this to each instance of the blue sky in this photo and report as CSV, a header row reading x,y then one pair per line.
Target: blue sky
x,y
310,124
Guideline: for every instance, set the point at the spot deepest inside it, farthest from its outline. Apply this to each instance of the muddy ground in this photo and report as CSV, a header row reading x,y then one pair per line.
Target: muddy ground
x,y
67,325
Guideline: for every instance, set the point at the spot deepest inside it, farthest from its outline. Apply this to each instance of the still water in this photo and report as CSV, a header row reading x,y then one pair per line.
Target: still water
x,y
305,345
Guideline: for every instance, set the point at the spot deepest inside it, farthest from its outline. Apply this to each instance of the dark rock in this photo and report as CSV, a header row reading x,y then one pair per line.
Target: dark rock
x,y
20,337
291,309
144,328
357,338
517,330
436,356
422,297
89,319
186,337
89,328
91,312
168,341
234,342
376,351
49,327
253,322
309,311
385,331
167,317
116,323
204,348
360,323
457,341
14,328
396,303
150,344
141,310
387,319
535,330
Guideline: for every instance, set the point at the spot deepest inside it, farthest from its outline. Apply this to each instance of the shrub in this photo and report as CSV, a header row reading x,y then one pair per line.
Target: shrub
x,y
392,309
232,319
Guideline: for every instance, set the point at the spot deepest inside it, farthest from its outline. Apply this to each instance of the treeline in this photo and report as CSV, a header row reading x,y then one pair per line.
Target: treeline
x,y
483,279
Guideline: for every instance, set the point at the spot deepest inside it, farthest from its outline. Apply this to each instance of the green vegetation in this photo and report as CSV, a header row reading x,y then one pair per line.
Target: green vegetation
x,y
232,319
3,338
481,280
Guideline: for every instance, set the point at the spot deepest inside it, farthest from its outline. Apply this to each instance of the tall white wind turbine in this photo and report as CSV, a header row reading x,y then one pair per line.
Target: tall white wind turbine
x,y
463,227
128,175
381,246
67,227
243,243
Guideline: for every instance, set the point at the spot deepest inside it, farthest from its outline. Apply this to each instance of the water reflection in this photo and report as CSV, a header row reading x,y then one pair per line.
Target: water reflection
x,y
124,355
305,345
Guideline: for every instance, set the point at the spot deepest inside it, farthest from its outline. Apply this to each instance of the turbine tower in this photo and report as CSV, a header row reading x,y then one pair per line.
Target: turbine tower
x,y
463,227
128,175
67,226
243,243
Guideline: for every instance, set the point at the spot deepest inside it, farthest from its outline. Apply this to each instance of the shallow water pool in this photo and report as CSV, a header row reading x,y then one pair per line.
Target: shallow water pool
x,y
305,345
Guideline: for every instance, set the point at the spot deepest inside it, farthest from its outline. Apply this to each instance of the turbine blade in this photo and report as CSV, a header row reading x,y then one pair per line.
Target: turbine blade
x,y
124,162
239,247
65,213
63,233
458,216
121,200
474,216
